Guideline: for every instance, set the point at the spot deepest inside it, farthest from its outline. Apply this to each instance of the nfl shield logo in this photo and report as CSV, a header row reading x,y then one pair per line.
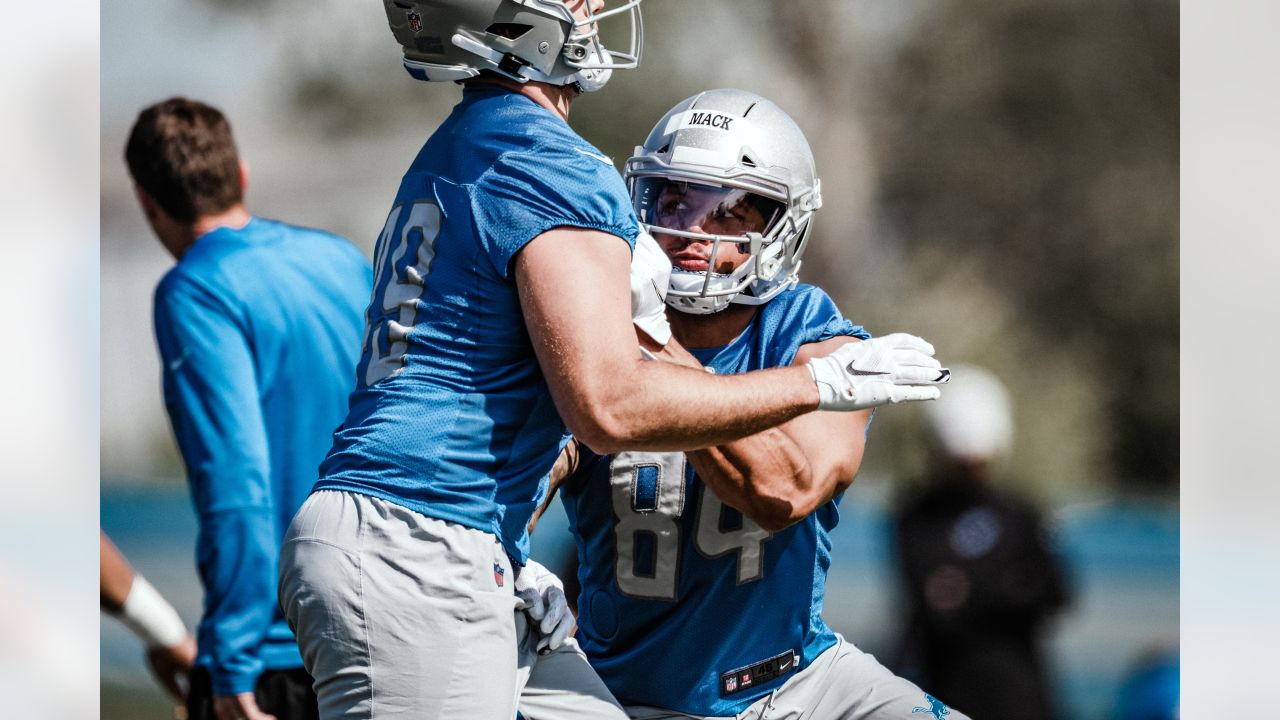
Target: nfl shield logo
x,y
415,24
498,572
731,684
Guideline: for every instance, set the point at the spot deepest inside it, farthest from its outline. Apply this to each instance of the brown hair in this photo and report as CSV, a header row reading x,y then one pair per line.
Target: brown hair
x,y
180,152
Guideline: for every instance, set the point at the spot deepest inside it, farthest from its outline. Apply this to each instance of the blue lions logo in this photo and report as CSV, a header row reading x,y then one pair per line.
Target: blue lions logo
x,y
936,708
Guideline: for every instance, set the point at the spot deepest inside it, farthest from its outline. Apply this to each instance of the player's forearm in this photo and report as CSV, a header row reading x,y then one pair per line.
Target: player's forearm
x,y
667,407
766,476
139,606
115,576
565,466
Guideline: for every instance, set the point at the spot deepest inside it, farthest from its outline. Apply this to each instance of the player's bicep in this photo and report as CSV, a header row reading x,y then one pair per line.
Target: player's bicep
x,y
833,442
576,299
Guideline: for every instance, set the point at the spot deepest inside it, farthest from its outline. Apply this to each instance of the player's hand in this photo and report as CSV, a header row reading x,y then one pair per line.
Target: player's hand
x,y
650,276
542,598
171,666
238,707
891,369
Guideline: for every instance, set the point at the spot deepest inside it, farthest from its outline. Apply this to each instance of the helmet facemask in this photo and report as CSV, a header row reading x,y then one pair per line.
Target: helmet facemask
x,y
586,52
762,226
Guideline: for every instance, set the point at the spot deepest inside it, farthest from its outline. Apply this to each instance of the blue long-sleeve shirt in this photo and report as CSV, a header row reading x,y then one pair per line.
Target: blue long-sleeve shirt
x,y
259,330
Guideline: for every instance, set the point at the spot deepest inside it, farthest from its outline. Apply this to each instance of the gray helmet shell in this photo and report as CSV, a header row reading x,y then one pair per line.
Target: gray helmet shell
x,y
447,40
735,138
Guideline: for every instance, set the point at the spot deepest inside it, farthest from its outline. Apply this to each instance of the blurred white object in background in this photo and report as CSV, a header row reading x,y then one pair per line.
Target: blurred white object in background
x,y
974,417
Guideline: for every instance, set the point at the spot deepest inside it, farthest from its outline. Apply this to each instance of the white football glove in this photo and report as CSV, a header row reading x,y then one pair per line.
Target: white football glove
x,y
542,598
650,276
891,369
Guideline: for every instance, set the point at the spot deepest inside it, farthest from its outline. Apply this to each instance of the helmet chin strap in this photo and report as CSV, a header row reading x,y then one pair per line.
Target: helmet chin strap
x,y
707,292
689,294
713,304
689,287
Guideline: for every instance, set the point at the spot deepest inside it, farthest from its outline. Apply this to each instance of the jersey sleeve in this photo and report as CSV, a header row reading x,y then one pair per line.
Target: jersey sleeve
x,y
805,315
824,321
211,395
829,323
550,185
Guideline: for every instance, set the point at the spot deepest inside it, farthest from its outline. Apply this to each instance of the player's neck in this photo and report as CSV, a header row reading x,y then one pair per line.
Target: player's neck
x,y
555,98
179,238
714,330
234,217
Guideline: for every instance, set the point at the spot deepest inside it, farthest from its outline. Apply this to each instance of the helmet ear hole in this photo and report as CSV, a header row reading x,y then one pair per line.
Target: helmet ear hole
x,y
510,31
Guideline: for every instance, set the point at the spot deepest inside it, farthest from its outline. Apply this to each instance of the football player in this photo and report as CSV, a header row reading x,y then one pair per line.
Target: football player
x,y
703,572
499,315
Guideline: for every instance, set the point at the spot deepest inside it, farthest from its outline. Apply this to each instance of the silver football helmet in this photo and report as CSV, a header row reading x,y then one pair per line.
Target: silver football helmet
x,y
727,167
522,39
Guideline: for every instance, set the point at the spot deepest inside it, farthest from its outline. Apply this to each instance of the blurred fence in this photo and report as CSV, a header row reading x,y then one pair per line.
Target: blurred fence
x,y
1121,556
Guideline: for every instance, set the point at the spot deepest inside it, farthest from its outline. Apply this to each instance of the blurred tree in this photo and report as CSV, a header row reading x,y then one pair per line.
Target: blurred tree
x,y
1040,138
1000,176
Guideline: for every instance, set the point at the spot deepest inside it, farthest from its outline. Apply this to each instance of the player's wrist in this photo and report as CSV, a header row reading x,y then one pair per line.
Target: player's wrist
x,y
827,375
229,683
151,617
539,577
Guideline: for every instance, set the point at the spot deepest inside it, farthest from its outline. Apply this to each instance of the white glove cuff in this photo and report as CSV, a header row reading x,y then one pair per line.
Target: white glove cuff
x,y
151,617
655,326
826,375
650,277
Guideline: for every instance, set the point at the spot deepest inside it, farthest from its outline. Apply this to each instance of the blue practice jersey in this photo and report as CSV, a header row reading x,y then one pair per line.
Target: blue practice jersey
x,y
258,330
686,604
451,416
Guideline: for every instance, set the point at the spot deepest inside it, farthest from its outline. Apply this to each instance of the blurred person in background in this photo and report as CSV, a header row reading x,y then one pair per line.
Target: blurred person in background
x,y
126,595
979,573
258,326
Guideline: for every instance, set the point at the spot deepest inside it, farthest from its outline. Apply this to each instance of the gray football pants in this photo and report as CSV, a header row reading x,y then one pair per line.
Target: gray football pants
x,y
843,683
399,615
560,685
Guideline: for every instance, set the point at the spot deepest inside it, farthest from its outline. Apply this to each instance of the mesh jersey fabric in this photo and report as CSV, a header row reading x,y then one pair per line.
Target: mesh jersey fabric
x,y
678,588
451,416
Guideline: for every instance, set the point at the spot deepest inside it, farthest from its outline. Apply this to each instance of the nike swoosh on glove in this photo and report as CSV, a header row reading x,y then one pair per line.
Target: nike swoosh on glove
x,y
891,369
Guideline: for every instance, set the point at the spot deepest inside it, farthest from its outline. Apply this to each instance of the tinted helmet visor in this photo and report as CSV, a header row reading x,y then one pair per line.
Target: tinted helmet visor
x,y
710,209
